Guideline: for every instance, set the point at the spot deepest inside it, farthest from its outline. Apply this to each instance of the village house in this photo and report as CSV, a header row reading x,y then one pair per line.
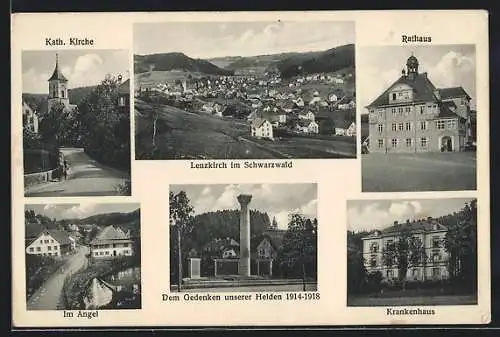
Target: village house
x,y
429,232
346,129
307,115
412,115
50,242
261,128
111,242
124,96
264,249
30,118
307,126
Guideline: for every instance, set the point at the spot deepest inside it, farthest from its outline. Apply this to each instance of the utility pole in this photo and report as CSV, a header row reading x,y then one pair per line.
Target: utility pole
x,y
179,274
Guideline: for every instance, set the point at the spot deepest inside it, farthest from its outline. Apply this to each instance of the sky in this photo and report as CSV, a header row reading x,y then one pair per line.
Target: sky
x,y
446,66
82,68
217,39
278,200
378,214
81,210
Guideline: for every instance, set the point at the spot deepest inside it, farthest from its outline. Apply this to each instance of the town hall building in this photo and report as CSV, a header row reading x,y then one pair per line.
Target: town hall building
x,y
412,115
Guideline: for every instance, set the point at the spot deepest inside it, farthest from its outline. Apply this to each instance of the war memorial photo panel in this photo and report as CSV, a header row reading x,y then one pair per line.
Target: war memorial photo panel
x,y
254,168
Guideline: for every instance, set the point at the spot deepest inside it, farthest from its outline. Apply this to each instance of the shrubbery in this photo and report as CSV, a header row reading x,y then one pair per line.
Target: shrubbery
x,y
38,270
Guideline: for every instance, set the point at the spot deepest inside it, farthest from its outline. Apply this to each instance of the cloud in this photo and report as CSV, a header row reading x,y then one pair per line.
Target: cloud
x,y
79,211
86,72
35,82
452,68
377,214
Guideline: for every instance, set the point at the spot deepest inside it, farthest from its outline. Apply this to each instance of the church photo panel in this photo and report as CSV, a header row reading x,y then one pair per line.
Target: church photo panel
x,y
76,123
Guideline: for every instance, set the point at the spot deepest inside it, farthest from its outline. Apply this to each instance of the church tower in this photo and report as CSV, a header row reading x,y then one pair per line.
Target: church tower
x,y
58,87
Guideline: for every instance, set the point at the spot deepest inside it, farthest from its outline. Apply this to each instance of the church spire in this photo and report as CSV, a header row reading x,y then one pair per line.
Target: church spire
x,y
57,74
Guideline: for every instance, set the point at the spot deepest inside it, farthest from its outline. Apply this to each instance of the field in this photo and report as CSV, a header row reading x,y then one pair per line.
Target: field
x,y
184,135
418,172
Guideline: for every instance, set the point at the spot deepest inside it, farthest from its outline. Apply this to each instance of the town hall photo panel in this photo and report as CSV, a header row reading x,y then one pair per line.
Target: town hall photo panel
x,y
76,123
418,123
241,238
245,90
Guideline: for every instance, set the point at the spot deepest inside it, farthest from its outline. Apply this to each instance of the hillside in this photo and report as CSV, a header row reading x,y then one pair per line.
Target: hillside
x,y
264,62
222,224
37,101
115,218
331,60
175,61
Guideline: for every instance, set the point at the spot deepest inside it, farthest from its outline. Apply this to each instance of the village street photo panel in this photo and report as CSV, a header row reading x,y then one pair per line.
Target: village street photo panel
x,y
418,125
412,252
76,123
83,256
243,238
244,90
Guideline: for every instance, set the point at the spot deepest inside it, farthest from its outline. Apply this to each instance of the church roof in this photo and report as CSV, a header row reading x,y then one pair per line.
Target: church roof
x,y
57,74
423,90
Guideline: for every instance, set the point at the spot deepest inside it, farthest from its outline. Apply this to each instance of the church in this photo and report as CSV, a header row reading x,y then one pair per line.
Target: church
x,y
58,94
413,116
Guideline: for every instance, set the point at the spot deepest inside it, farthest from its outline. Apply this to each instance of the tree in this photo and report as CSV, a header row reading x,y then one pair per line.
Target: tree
x,y
58,125
406,251
104,129
461,245
181,223
298,255
274,224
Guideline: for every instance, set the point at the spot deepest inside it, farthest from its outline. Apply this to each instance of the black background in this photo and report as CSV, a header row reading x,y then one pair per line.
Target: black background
x,y
18,6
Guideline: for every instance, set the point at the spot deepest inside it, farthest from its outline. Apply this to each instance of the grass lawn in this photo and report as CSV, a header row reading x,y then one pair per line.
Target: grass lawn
x,y
407,299
184,135
418,172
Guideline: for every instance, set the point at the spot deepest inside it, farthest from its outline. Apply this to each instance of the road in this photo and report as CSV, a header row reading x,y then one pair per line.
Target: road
x,y
47,297
87,178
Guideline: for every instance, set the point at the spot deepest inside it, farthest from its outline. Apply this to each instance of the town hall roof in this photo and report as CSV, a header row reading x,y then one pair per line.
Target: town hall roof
x,y
423,90
454,92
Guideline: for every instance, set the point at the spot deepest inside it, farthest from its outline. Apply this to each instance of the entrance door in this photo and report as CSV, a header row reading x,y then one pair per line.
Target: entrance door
x,y
114,252
446,144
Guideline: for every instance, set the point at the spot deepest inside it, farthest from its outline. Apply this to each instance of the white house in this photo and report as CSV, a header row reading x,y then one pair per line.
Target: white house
x,y
30,118
50,242
307,126
309,116
229,253
111,242
349,129
261,128
333,98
